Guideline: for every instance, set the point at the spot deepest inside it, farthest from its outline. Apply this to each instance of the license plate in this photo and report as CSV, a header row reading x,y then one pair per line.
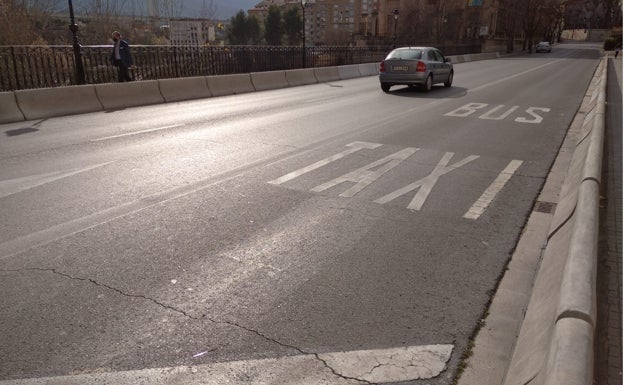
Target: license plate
x,y
400,68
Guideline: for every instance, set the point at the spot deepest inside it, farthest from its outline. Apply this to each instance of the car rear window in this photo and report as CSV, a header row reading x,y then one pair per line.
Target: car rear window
x,y
406,54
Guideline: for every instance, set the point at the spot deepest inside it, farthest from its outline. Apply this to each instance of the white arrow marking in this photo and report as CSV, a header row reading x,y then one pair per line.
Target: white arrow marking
x,y
343,368
14,186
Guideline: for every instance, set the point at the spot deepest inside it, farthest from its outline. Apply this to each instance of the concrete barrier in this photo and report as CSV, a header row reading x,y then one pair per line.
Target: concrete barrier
x,y
42,103
347,72
175,90
49,102
270,80
326,74
456,59
555,344
222,85
300,77
9,111
369,69
132,94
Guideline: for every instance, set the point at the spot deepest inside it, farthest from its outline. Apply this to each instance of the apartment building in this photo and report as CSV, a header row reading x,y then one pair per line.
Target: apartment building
x,y
190,32
444,23
331,21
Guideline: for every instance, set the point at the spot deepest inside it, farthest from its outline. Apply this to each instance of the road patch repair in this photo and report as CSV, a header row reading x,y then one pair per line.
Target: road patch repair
x,y
341,368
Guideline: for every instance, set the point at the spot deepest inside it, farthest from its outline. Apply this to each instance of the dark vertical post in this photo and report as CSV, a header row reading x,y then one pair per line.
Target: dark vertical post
x,y
73,27
444,21
303,32
396,19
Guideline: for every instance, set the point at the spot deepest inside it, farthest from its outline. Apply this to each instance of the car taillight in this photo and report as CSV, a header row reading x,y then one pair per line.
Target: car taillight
x,y
382,67
421,67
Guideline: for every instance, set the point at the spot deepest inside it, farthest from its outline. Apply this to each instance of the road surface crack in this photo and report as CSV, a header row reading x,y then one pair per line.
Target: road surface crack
x,y
190,316
99,284
301,351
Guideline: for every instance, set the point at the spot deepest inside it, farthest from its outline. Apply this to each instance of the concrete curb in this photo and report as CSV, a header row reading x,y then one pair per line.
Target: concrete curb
x,y
9,111
555,344
230,84
369,69
23,105
347,72
179,89
326,74
132,94
47,102
270,80
300,77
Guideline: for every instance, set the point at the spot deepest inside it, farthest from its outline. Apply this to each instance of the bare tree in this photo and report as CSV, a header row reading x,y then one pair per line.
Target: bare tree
x,y
28,21
101,17
208,10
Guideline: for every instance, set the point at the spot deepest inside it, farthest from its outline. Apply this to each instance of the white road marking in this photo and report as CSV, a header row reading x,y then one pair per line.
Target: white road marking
x,y
489,115
486,85
341,368
17,185
355,147
470,108
425,185
536,118
365,175
488,196
466,110
137,132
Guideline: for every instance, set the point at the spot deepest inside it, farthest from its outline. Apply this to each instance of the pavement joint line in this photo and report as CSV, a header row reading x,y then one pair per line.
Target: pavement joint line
x,y
194,317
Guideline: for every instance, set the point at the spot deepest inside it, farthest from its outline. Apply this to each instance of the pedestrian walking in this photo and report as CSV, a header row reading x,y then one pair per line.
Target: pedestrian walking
x,y
121,57
617,51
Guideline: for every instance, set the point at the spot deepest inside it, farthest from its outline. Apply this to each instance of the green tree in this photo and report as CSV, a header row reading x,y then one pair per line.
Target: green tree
x,y
244,29
292,25
274,26
238,31
255,32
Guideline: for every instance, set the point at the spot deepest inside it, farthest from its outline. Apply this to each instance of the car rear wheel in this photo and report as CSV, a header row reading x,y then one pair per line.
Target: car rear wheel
x,y
428,83
449,81
385,87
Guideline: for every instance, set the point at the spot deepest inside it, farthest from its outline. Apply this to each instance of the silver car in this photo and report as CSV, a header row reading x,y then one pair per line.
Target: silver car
x,y
543,46
415,66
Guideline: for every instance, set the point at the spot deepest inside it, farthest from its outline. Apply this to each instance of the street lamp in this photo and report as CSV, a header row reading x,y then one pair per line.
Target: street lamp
x,y
73,27
303,31
396,18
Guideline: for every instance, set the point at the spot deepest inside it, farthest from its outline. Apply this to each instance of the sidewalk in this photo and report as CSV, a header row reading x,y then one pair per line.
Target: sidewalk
x,y
497,341
608,360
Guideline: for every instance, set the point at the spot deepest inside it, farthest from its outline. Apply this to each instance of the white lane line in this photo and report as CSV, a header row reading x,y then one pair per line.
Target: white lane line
x,y
17,185
355,147
137,132
376,366
488,195
512,76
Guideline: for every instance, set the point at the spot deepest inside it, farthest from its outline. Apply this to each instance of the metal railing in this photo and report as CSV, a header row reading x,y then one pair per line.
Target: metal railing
x,y
27,67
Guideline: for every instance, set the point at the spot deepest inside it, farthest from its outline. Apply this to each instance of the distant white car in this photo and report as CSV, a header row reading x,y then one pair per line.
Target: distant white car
x,y
543,46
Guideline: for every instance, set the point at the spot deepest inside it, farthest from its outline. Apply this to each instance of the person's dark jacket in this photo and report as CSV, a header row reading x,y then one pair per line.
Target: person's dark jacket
x,y
124,53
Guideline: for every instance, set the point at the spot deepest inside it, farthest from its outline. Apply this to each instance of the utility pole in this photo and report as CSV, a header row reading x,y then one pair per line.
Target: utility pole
x,y
73,27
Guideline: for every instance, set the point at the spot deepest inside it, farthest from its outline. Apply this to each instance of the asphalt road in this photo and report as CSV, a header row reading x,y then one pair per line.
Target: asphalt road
x,y
296,222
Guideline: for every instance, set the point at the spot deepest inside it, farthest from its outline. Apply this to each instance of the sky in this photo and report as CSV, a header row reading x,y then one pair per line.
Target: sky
x,y
190,8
